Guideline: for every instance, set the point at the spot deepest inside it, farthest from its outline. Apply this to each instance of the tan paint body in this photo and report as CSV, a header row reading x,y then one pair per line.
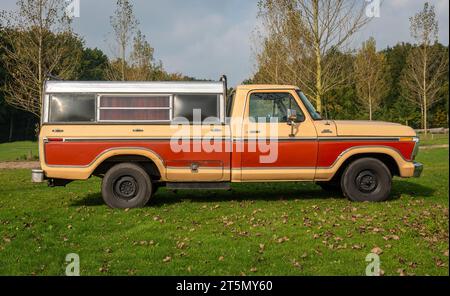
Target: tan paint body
x,y
239,129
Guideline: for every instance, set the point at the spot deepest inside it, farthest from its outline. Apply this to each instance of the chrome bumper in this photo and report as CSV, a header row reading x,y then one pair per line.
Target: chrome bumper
x,y
418,168
37,176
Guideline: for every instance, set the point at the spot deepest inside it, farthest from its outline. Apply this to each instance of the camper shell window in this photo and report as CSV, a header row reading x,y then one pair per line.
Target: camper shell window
x,y
134,108
72,108
185,104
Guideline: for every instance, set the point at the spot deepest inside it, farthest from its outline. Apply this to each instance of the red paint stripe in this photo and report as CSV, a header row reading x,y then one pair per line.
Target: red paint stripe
x,y
84,153
330,150
290,154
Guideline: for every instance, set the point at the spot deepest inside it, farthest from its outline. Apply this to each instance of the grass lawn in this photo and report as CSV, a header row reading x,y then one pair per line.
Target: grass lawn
x,y
21,150
433,139
256,229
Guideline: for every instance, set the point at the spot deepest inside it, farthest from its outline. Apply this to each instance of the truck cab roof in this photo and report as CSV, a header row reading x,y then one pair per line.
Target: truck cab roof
x,y
265,86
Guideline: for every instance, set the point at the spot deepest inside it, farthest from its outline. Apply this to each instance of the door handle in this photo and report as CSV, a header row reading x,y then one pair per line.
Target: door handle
x,y
138,130
57,130
254,132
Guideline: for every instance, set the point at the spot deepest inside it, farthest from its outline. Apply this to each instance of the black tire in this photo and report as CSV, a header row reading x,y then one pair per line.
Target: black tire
x,y
126,185
366,179
330,186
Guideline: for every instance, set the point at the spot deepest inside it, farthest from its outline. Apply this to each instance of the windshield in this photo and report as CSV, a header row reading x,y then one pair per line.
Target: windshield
x,y
312,111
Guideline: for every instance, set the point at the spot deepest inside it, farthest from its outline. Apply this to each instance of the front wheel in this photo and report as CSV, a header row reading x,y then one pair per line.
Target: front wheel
x,y
366,179
126,185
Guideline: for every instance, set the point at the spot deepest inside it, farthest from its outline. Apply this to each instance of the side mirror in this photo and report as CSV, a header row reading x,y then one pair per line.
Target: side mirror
x,y
291,115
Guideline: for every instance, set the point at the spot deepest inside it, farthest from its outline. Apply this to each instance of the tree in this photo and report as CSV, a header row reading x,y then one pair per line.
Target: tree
x,y
124,25
38,41
301,34
94,64
370,76
142,60
424,74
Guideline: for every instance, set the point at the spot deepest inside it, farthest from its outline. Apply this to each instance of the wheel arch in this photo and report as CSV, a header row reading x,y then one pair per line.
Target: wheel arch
x,y
389,156
151,161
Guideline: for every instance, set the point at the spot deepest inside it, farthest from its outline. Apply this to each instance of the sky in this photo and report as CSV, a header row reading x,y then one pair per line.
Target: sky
x,y
208,38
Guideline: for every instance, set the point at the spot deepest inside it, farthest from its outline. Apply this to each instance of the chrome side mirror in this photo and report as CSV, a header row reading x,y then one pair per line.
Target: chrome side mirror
x,y
291,119
291,115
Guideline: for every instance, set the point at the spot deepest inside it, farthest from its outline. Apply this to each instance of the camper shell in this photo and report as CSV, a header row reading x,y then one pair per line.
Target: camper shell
x,y
89,102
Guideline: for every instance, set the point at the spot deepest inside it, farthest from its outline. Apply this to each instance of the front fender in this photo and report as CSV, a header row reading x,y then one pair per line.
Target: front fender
x,y
406,168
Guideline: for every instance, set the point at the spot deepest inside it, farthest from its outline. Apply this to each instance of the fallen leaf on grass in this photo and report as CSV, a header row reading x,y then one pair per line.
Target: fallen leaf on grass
x,y
167,259
253,269
389,237
401,272
440,263
282,239
377,250
181,245
221,258
296,263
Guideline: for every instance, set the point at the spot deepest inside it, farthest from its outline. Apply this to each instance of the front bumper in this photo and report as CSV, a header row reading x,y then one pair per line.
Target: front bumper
x,y
418,168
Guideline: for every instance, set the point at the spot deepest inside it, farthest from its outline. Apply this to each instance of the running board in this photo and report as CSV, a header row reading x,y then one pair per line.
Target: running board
x,y
199,185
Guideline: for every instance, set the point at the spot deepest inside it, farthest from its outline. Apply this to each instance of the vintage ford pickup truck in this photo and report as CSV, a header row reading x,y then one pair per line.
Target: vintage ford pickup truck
x,y
139,136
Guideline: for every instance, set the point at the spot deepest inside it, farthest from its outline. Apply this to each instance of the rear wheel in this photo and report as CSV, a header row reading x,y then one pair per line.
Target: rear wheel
x,y
126,185
366,179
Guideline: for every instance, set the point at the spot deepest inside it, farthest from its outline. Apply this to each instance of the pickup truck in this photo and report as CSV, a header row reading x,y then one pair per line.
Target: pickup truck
x,y
139,136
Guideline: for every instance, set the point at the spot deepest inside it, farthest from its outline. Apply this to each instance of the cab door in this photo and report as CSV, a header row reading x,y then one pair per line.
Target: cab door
x,y
276,148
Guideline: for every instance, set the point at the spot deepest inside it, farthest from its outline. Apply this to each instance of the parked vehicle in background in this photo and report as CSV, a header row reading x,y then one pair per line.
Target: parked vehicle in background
x,y
139,136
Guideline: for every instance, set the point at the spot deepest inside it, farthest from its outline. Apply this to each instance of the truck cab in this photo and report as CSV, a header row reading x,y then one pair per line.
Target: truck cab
x,y
138,136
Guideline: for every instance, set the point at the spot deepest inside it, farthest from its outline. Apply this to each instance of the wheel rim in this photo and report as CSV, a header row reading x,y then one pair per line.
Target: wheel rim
x,y
126,187
366,181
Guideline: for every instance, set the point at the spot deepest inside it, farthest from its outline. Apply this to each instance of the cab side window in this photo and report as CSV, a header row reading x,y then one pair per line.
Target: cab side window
x,y
265,106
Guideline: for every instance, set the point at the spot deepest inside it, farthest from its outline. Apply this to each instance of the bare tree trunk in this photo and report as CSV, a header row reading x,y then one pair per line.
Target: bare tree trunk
x,y
40,55
123,48
424,85
318,56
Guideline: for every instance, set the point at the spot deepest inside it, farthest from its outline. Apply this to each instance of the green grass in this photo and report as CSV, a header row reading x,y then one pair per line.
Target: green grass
x,y
433,139
23,150
257,229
